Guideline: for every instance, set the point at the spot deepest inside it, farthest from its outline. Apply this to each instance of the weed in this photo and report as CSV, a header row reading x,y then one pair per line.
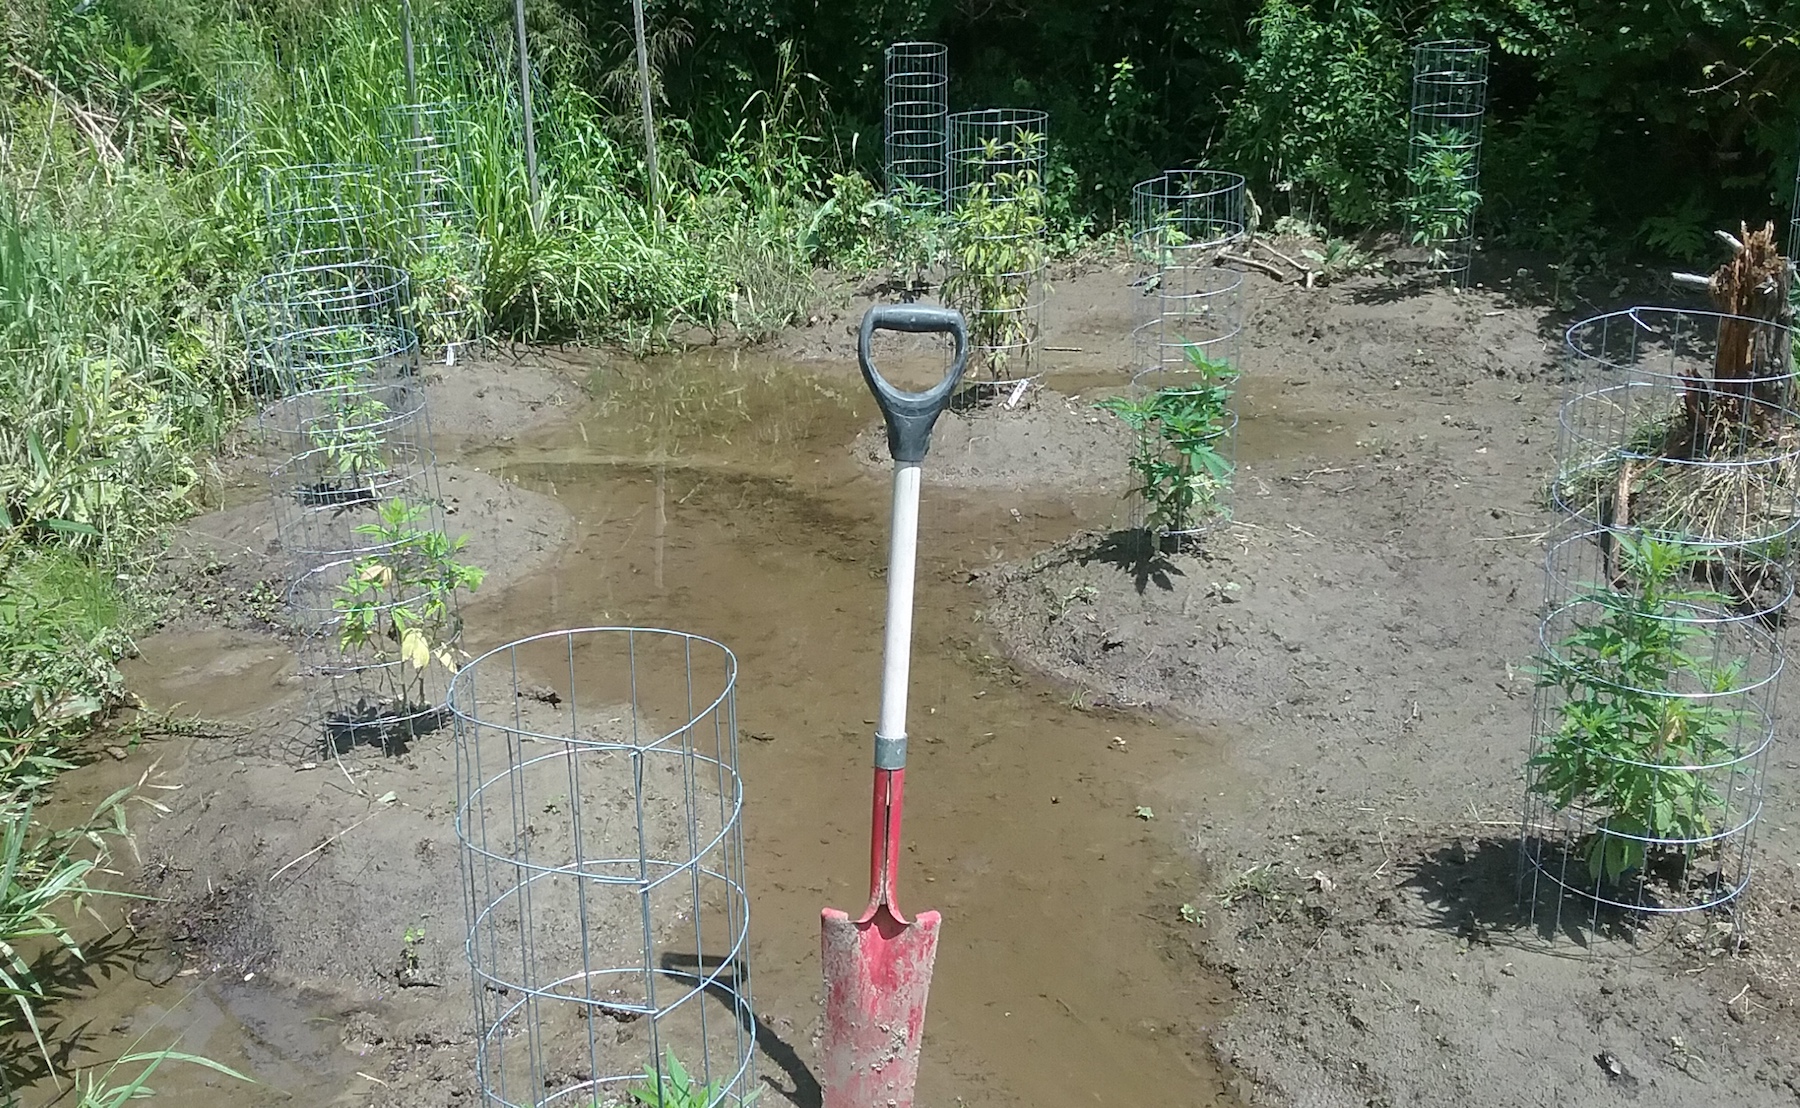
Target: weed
x,y
1645,716
1338,259
1257,883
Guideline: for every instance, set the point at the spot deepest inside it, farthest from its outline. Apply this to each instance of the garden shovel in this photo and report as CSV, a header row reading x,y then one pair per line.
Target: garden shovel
x,y
878,965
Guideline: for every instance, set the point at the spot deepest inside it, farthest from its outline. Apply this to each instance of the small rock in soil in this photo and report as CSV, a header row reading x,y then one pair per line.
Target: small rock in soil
x,y
1614,1069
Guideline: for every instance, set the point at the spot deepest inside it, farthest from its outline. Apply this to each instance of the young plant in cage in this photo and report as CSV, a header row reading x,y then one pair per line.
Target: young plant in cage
x,y
349,437
446,293
1643,714
997,247
1440,204
679,1089
914,233
1181,473
395,605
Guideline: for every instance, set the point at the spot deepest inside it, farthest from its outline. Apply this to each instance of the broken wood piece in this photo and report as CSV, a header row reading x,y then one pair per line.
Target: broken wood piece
x,y
1254,263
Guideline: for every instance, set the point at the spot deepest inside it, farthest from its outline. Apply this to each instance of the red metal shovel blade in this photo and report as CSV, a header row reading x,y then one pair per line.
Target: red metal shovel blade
x,y
877,972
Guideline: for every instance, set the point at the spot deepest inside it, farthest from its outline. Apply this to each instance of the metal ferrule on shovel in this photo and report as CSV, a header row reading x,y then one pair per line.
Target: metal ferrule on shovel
x,y
878,965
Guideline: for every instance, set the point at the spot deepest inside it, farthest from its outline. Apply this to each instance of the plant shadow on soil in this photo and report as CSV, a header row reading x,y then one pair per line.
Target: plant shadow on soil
x,y
63,976
1478,892
1134,551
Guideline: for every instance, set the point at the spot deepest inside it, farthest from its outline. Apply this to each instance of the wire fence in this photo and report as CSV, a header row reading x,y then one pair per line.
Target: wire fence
x,y
1449,101
998,244
599,811
1678,480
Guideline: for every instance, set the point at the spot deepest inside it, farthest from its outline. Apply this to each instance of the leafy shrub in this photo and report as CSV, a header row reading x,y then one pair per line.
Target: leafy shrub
x,y
1320,112
997,251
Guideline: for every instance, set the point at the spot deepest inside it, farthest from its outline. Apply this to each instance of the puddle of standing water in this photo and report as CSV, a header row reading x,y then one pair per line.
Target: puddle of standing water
x,y
1273,426
716,494
1055,982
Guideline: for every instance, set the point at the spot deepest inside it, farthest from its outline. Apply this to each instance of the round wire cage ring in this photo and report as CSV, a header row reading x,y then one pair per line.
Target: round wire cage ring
x,y
599,810
1652,724
1185,210
1683,423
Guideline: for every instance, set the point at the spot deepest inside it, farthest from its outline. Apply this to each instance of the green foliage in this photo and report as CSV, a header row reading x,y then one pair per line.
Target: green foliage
x,y
41,874
98,1091
1441,198
678,1089
397,603
1180,472
1319,115
350,434
1642,707
997,250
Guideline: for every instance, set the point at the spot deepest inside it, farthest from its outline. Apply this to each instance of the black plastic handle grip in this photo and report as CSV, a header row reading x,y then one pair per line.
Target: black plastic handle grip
x,y
910,415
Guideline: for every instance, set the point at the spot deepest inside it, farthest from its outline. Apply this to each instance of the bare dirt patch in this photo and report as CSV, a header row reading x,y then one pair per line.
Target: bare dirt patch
x,y
1362,631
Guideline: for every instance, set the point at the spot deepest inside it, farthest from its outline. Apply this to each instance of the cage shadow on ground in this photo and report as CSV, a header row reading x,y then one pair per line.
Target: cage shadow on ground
x,y
726,987
1475,889
63,976
1135,551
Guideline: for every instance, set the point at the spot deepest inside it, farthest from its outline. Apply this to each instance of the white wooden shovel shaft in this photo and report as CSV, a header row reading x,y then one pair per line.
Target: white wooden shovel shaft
x,y
890,734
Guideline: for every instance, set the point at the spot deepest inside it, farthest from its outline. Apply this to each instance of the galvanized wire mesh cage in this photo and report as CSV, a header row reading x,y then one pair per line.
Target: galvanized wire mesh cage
x,y
1645,778
1181,214
1682,424
998,244
1185,350
428,190
599,809
1180,220
308,327
1449,101
1659,657
326,214
342,420
915,134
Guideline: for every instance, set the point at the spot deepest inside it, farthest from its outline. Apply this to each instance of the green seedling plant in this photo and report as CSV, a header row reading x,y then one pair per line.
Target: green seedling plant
x,y
914,232
1441,198
679,1089
997,250
396,603
1181,475
1626,743
349,435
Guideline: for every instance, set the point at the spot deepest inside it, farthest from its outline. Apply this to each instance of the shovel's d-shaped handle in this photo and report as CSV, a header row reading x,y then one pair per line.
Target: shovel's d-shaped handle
x,y
910,415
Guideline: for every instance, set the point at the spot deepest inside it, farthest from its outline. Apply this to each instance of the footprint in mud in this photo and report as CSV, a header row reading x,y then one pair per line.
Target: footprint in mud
x,y
158,965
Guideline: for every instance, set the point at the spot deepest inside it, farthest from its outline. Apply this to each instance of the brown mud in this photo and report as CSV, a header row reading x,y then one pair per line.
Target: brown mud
x,y
719,494
1322,715
1361,633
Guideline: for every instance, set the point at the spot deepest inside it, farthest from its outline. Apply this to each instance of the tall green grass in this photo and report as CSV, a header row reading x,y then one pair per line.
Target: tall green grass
x,y
148,149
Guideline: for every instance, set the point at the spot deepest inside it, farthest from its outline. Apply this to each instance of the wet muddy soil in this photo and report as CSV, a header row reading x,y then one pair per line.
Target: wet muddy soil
x,y
721,494
1217,828
1361,635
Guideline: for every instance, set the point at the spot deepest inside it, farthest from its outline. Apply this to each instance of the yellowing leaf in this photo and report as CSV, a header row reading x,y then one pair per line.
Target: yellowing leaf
x,y
415,648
